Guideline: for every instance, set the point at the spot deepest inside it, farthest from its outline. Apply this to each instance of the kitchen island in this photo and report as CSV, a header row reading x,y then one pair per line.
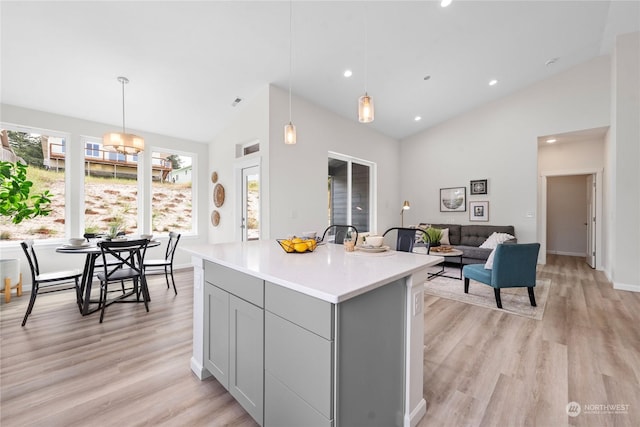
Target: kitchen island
x,y
328,338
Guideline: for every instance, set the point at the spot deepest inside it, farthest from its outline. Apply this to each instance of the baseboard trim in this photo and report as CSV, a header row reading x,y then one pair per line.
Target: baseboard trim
x,y
578,254
416,415
199,370
626,287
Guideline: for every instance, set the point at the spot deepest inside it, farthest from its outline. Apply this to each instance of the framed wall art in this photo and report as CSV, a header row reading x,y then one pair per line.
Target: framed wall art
x,y
478,186
479,211
453,199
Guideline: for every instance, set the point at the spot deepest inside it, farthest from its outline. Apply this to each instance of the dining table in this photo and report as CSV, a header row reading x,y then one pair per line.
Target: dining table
x,y
91,251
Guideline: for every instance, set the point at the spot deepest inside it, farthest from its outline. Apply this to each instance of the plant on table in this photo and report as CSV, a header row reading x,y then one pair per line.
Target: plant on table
x,y
434,235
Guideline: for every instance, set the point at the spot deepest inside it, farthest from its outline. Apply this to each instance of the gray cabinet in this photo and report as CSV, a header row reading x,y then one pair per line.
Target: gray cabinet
x,y
299,359
234,335
294,360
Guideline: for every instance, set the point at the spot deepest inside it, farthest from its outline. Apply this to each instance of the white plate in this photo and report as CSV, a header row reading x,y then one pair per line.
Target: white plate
x,y
83,245
372,248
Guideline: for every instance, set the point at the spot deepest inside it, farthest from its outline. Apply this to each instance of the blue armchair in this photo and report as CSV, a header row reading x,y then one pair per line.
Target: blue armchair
x,y
514,265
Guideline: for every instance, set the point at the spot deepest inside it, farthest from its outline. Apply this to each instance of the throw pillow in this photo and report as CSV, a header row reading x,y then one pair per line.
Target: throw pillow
x,y
444,240
495,239
419,234
489,264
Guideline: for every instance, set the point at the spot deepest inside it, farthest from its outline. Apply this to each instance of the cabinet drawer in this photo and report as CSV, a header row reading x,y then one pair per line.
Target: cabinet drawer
x,y
301,360
309,312
242,285
283,408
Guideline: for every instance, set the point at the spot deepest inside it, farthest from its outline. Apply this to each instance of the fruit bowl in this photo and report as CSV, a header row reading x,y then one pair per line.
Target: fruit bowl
x,y
297,245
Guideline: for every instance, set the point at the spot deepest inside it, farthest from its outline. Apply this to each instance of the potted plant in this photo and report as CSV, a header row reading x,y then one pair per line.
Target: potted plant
x,y
434,235
116,227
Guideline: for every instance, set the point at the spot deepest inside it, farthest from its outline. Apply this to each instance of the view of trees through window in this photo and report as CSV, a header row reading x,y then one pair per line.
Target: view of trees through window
x,y
44,155
110,188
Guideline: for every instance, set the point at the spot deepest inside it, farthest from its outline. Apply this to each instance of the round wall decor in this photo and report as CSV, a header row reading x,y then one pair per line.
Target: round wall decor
x,y
218,195
215,218
214,177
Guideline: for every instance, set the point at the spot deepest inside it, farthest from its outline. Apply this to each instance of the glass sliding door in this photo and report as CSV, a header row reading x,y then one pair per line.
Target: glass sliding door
x,y
350,192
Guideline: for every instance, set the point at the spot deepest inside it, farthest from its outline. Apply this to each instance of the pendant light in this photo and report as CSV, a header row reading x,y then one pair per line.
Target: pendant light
x,y
405,207
123,142
290,129
365,102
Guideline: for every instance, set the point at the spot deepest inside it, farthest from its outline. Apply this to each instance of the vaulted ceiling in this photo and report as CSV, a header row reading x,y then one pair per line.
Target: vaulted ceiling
x,y
188,61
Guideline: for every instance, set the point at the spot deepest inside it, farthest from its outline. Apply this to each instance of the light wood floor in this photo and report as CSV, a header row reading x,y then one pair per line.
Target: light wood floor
x,y
482,367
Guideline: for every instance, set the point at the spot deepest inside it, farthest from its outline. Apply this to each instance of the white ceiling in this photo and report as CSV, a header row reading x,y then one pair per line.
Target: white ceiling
x,y
187,61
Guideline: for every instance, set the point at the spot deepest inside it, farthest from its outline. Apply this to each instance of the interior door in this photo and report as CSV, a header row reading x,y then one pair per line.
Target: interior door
x,y
591,220
251,203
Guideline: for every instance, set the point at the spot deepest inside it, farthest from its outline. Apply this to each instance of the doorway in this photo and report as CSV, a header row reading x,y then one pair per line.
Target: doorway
x,y
571,206
250,221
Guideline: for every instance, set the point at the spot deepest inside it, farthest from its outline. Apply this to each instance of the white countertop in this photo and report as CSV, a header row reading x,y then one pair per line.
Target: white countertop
x,y
329,273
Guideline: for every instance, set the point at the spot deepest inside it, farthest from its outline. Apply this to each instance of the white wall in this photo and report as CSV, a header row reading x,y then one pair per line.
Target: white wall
x,y
624,155
298,190
250,124
566,215
498,142
77,128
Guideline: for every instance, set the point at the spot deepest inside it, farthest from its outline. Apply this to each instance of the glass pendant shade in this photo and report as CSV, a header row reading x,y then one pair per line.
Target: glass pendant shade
x,y
365,109
290,134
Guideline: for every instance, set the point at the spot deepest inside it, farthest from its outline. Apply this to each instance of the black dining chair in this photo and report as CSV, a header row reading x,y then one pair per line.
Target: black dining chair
x,y
406,238
339,233
130,254
167,263
43,283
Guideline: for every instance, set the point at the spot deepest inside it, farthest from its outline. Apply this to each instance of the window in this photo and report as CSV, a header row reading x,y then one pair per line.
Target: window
x,y
92,150
43,152
117,157
350,191
172,192
110,190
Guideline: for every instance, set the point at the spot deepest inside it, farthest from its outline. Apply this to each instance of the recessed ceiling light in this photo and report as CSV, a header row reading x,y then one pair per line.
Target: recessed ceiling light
x,y
348,73
551,140
445,3
493,82
417,118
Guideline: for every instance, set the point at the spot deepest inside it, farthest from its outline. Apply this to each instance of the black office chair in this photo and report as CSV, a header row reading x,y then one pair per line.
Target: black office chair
x,y
48,282
339,232
130,255
406,238
167,262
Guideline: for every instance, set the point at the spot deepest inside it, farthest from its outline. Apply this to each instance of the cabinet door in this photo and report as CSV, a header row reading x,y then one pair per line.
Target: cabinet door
x,y
246,341
216,333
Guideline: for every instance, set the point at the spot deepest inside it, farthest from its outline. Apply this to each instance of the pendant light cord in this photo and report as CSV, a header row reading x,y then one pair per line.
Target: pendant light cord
x,y
290,52
366,40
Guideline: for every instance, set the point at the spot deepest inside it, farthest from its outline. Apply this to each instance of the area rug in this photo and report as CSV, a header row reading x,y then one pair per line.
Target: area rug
x,y
514,300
